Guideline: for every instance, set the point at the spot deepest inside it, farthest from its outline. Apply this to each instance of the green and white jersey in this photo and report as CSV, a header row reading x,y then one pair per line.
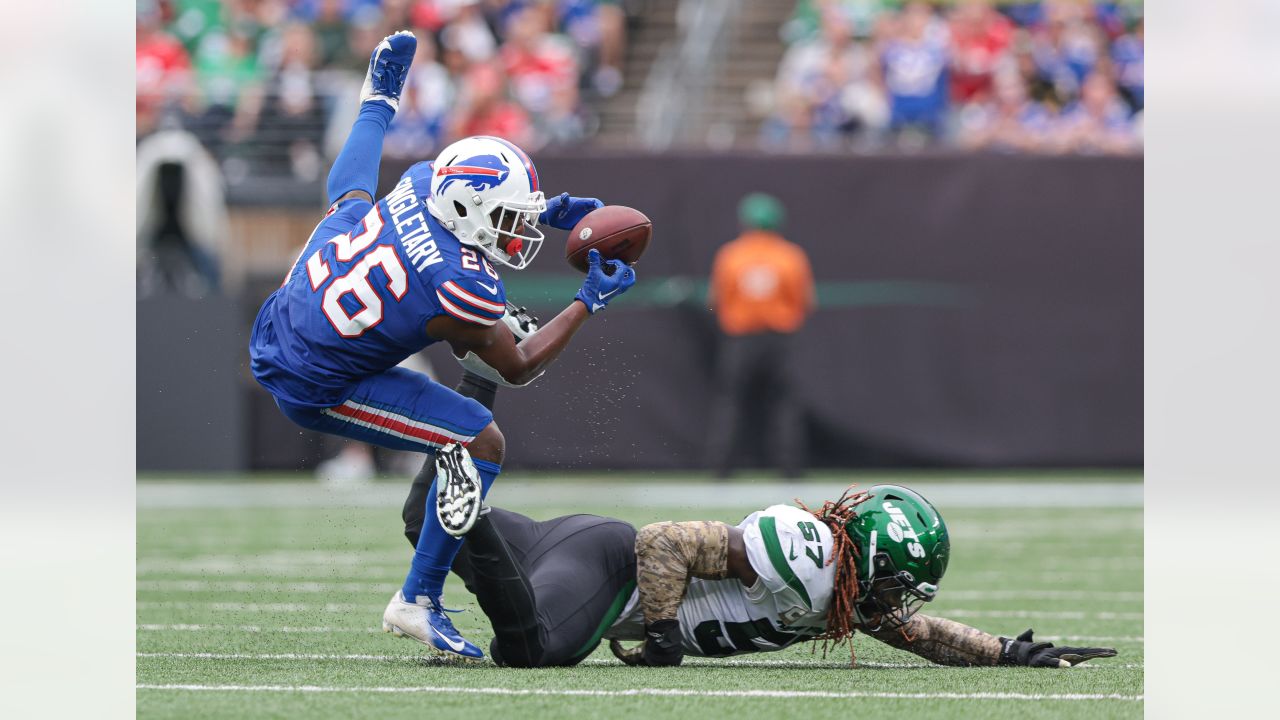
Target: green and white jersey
x,y
788,548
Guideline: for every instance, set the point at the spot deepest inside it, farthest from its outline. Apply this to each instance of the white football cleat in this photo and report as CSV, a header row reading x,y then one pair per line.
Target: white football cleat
x,y
425,622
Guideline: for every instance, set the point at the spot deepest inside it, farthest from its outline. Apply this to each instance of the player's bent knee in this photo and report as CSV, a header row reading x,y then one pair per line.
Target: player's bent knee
x,y
489,445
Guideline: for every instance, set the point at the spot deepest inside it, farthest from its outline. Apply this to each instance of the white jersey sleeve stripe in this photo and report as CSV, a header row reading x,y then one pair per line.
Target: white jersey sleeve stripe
x,y
462,296
461,314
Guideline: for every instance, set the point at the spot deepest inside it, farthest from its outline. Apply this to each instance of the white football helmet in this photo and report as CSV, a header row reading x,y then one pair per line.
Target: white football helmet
x,y
485,191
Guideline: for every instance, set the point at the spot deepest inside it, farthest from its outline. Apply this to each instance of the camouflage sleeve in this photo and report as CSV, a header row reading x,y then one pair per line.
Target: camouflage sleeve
x,y
668,554
942,641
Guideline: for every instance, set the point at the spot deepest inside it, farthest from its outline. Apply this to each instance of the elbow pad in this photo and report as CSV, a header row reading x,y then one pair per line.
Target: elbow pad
x,y
472,363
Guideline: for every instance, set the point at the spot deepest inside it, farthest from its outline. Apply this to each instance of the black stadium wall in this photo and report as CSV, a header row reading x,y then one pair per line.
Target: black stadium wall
x,y
975,311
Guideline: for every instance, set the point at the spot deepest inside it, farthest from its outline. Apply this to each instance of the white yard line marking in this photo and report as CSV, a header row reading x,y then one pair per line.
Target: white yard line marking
x,y
640,692
709,662
336,607
1117,595
323,586
257,607
605,494
201,627
1094,638
1042,614
261,586
193,627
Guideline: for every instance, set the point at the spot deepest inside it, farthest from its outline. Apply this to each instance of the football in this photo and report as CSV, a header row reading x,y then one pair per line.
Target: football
x,y
617,231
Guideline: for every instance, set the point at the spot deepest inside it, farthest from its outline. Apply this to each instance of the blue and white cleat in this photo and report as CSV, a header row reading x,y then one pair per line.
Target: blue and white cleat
x,y
425,622
388,68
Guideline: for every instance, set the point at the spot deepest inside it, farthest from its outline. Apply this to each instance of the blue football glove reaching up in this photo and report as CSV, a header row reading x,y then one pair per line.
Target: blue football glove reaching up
x,y
564,211
388,68
598,289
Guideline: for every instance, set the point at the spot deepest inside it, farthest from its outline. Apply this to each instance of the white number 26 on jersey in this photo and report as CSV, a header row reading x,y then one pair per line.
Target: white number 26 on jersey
x,y
346,248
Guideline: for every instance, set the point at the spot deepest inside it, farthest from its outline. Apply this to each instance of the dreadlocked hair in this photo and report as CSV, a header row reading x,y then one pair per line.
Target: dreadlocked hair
x,y
844,596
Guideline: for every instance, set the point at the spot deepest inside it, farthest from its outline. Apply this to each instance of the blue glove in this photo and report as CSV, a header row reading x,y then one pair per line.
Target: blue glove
x,y
598,289
563,211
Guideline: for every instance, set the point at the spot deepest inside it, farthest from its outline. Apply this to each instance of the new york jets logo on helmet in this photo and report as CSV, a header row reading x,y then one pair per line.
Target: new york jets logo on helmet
x,y
904,547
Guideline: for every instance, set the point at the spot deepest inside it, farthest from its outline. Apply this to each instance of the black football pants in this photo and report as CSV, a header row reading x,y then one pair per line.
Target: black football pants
x,y
754,404
550,589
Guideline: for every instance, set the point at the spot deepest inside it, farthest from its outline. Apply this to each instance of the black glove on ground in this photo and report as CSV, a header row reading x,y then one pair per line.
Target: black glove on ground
x,y
662,644
1025,651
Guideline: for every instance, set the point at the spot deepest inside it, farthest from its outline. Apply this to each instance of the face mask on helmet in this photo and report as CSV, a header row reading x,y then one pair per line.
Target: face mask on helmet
x,y
517,238
904,549
892,597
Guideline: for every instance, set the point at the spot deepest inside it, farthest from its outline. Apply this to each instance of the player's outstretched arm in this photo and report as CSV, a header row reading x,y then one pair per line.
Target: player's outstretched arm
x,y
355,171
947,642
519,364
496,347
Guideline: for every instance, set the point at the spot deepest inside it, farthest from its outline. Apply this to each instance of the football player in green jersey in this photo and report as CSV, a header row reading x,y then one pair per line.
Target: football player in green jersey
x,y
865,562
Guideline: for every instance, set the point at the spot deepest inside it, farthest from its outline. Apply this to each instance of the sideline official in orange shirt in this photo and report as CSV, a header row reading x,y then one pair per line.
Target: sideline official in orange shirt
x,y
761,292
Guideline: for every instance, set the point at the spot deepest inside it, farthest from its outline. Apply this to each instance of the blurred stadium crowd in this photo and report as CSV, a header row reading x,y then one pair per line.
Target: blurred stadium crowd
x,y
277,81
270,86
1055,76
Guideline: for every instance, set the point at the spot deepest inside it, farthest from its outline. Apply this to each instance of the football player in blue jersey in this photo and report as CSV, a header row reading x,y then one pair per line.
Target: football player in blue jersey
x,y
379,281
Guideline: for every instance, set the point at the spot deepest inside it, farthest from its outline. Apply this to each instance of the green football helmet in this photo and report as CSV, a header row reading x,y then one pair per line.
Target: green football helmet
x,y
905,548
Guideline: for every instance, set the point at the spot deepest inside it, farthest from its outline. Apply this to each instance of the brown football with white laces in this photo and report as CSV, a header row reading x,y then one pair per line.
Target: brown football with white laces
x,y
617,231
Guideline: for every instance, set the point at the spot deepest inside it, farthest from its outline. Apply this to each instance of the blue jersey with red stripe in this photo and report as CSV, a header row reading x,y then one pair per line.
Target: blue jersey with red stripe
x,y
359,297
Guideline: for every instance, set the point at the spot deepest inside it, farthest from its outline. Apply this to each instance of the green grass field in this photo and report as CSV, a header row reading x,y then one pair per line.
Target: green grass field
x,y
265,599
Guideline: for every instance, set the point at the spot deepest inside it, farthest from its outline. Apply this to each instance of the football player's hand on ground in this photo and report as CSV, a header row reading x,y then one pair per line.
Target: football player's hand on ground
x,y
661,647
564,211
599,289
1023,650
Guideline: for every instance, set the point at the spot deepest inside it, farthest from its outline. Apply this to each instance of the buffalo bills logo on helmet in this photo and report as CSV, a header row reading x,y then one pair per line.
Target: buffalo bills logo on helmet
x,y
479,173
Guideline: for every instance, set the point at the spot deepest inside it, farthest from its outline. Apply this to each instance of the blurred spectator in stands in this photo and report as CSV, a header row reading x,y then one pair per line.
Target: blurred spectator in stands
x,y
831,79
286,110
761,291
612,22
1039,89
181,215
468,33
807,20
1127,54
226,69
1008,122
980,38
162,69
538,63
1099,122
332,29
397,15
790,127
365,32
419,126
1023,13
1066,47
597,29
564,122
191,20
915,60
483,108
